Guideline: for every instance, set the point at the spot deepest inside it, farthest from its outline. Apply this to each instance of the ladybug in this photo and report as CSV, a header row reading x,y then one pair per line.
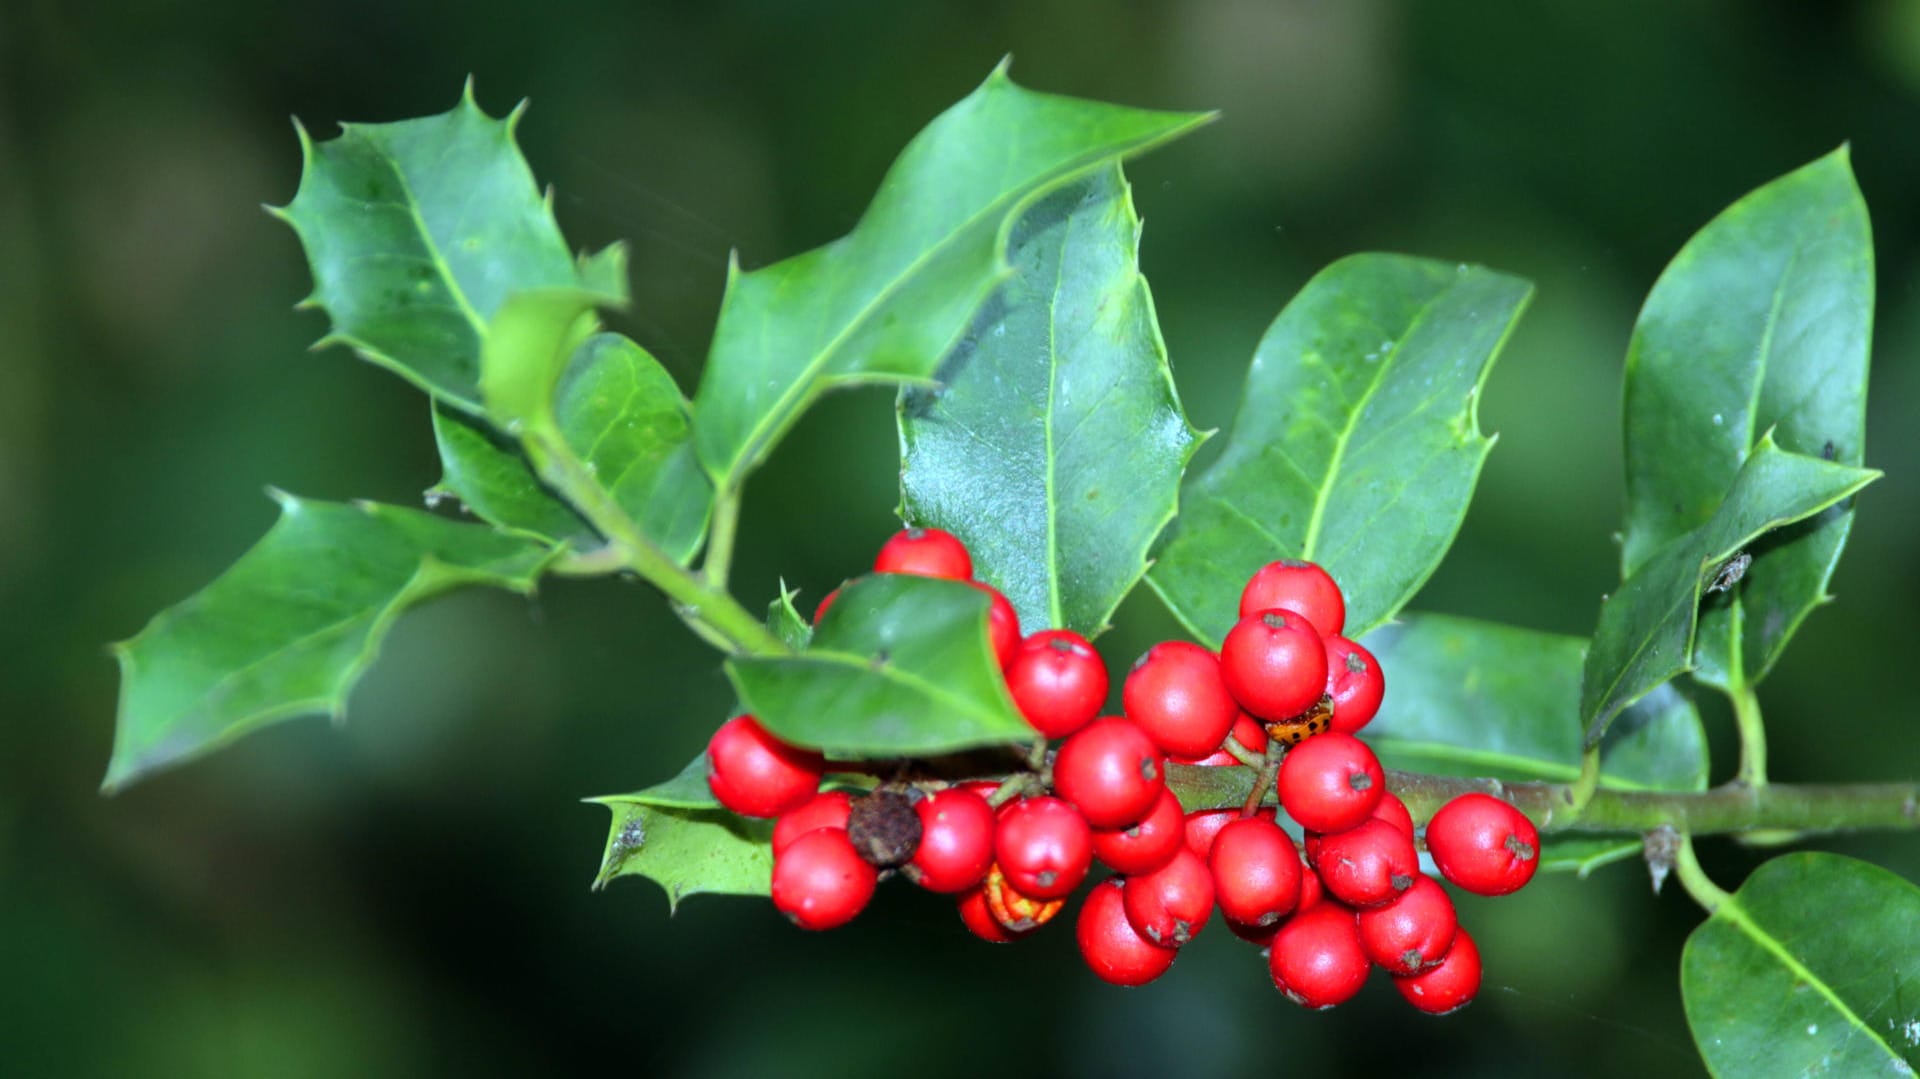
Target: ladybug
x,y
1315,720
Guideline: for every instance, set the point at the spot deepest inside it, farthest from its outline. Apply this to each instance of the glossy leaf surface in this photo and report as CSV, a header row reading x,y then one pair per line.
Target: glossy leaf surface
x,y
1357,442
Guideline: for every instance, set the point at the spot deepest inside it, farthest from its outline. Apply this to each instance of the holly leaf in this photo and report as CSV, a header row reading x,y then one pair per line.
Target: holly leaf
x,y
1646,630
686,850
886,302
900,666
1357,442
1762,322
417,233
1811,968
787,623
1473,698
290,627
1054,444
621,413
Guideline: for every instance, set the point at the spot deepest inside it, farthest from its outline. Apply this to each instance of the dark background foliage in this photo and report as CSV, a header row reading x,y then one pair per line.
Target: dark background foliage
x,y
408,895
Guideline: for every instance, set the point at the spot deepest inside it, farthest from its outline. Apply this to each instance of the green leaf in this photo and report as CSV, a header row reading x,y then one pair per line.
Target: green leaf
x,y
1763,321
1357,443
1811,968
1055,444
1645,635
1466,697
687,851
787,623
886,302
1581,855
622,414
900,666
417,233
289,628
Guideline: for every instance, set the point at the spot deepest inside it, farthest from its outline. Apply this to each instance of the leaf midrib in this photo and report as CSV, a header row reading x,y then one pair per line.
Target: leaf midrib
x,y
438,258
962,703
1741,919
1325,488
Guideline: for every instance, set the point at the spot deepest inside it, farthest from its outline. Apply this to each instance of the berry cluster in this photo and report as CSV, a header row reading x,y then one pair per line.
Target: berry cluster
x,y
1286,694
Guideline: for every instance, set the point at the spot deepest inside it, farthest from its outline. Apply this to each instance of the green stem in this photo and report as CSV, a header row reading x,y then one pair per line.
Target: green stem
x,y
1694,879
720,535
1241,753
1730,808
707,609
1753,734
1263,782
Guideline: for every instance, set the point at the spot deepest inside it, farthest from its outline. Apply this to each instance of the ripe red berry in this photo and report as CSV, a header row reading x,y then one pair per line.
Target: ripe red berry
x,y
1274,664
1175,693
1148,845
1043,846
1170,905
1413,932
757,775
1355,683
1256,871
1394,811
1483,844
1331,782
1003,625
1203,825
1368,866
820,881
828,809
1449,986
925,552
1058,681
1016,911
956,841
1110,946
1316,958
1311,890
1111,771
826,601
1301,587
980,921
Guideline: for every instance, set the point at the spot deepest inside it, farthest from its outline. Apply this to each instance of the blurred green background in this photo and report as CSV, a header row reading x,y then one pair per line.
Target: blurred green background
x,y
408,895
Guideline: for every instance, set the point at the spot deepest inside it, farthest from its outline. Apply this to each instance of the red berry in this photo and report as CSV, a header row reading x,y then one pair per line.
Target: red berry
x,y
1483,844
1256,871
1274,664
925,552
1043,846
1111,771
826,601
1355,683
1058,681
1203,825
1311,890
1301,587
1413,932
757,775
820,881
1110,946
1316,958
1394,811
1003,625
1147,845
956,841
1170,905
980,921
1368,866
1016,911
1177,696
828,809
1449,986
1331,782
1260,936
